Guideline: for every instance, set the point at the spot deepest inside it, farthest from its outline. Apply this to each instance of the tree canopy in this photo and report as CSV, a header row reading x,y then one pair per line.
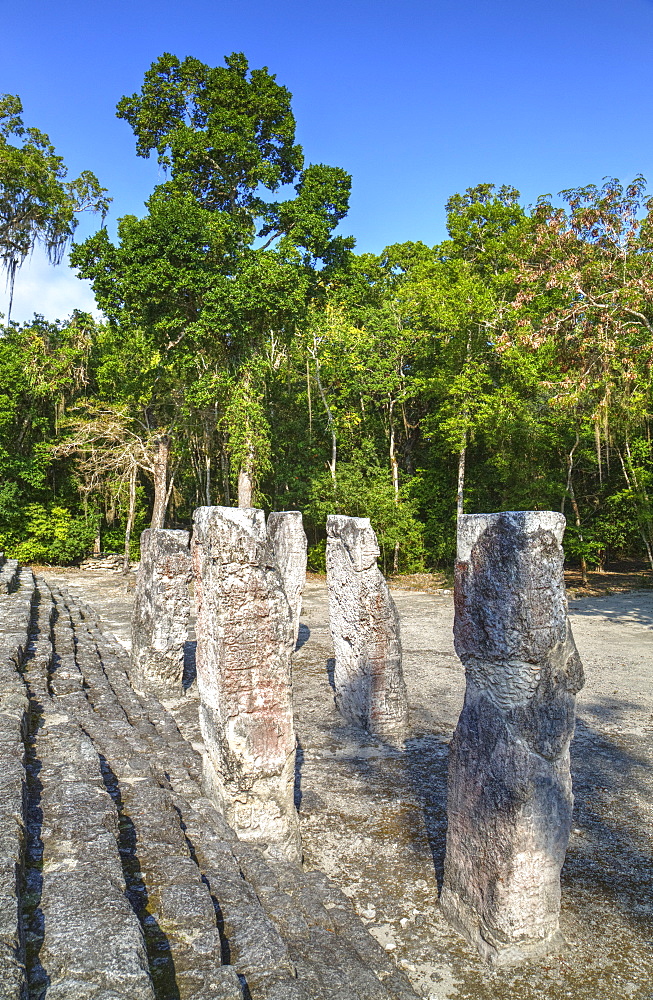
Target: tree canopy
x,y
37,204
249,355
217,265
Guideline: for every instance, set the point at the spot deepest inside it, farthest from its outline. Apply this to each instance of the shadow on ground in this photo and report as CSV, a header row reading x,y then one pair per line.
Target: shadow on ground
x,y
607,880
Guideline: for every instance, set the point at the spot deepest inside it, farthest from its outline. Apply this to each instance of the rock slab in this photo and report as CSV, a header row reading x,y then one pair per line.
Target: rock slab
x,y
368,679
509,787
161,612
286,532
245,640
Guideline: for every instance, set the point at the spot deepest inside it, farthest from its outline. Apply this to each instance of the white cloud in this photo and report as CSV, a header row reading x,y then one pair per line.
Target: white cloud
x,y
51,291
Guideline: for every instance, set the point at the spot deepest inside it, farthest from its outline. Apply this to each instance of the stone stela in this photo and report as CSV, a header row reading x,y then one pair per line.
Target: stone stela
x,y
368,679
161,612
286,531
509,787
245,639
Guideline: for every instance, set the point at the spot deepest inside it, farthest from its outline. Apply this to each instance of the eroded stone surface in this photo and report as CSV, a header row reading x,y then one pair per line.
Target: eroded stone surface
x,y
244,645
15,611
368,678
286,531
9,570
375,821
161,612
509,788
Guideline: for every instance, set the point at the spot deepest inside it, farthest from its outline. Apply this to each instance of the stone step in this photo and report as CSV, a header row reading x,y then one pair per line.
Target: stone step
x,y
285,909
252,942
15,614
91,934
164,883
203,897
9,575
16,611
142,721
83,938
309,904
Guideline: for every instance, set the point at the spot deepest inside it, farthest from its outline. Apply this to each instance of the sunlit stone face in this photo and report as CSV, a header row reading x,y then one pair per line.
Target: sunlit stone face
x,y
245,638
368,678
286,532
161,612
509,791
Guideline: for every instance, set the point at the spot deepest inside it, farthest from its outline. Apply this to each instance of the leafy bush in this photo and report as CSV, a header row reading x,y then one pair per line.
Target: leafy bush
x,y
51,534
113,540
369,493
316,558
592,545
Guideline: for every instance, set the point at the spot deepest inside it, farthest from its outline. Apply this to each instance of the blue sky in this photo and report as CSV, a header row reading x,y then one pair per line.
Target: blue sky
x,y
415,99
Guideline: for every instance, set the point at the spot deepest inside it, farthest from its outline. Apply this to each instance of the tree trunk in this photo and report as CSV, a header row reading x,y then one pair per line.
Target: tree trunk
x,y
224,465
649,549
246,484
130,518
462,454
329,416
645,505
574,505
160,481
394,466
409,439
210,420
310,405
597,443
460,494
97,541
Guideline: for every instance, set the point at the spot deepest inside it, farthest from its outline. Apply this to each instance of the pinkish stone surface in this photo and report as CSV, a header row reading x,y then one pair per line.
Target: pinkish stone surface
x,y
244,647
161,612
509,789
368,678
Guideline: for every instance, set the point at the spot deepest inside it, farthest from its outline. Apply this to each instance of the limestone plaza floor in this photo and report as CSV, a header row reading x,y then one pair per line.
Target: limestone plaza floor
x,y
374,818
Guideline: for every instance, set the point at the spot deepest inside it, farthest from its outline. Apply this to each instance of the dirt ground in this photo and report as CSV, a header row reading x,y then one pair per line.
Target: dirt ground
x,y
374,818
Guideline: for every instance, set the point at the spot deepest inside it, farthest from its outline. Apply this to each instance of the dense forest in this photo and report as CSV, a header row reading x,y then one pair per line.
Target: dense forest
x,y
249,356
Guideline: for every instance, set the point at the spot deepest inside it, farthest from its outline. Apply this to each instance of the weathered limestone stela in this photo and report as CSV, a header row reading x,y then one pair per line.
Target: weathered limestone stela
x,y
286,531
509,790
161,612
245,641
368,678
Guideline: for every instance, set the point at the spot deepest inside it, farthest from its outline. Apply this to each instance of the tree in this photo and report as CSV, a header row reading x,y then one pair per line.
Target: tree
x,y
586,289
217,267
37,204
44,367
456,298
363,381
111,449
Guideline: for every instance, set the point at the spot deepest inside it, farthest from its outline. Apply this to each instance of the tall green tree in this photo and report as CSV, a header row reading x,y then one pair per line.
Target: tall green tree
x,y
218,266
586,291
454,299
37,204
44,369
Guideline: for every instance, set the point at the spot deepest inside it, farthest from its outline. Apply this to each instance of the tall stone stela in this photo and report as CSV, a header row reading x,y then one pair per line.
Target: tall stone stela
x,y
245,640
161,612
368,679
286,531
509,787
